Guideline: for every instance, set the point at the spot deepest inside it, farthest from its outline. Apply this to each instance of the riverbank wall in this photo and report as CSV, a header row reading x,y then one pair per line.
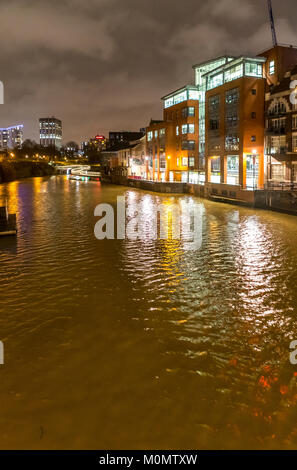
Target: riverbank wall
x,y
155,186
219,192
281,201
10,171
277,200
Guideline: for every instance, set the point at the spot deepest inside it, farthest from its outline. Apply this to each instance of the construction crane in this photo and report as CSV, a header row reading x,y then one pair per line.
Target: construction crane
x,y
274,40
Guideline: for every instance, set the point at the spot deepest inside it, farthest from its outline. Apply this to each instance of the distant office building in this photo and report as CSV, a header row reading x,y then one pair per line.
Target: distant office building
x,y
11,137
124,137
50,132
97,144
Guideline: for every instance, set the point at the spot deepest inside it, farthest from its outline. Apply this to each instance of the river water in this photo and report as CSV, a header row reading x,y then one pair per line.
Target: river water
x,y
122,344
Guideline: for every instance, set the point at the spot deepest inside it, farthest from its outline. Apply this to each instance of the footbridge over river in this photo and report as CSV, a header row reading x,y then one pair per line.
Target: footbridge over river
x,y
79,172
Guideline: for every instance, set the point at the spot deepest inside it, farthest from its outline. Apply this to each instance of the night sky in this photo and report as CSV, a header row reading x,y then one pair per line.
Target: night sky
x,y
103,65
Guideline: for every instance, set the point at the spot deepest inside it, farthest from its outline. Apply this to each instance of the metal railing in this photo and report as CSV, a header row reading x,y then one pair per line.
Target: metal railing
x,y
281,185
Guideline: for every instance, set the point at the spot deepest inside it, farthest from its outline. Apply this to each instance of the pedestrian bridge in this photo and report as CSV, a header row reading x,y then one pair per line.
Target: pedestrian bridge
x,y
68,169
79,172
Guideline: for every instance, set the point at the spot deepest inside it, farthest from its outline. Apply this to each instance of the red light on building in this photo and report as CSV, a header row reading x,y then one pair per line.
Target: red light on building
x,y
100,137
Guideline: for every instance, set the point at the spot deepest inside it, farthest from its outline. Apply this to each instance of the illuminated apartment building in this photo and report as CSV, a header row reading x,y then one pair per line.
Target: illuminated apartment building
x,y
213,131
200,71
281,119
159,136
235,124
172,144
11,137
237,158
176,145
97,144
50,132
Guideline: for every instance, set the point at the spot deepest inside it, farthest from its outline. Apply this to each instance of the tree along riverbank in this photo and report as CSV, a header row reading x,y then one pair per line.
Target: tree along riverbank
x,y
10,171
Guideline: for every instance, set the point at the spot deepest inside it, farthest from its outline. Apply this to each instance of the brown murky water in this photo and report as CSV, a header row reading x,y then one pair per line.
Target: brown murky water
x,y
141,344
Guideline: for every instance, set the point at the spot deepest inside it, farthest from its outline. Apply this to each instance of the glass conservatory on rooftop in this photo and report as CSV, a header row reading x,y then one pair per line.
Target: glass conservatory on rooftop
x,y
241,67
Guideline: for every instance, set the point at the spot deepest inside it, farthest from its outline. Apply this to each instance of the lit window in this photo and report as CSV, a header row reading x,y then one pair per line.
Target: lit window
x,y
177,162
232,141
233,73
215,81
156,134
150,136
271,67
188,128
185,161
253,69
180,97
177,130
191,161
232,96
193,95
168,103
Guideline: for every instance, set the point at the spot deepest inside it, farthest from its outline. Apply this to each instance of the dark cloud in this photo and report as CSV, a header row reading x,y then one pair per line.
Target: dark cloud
x,y
104,64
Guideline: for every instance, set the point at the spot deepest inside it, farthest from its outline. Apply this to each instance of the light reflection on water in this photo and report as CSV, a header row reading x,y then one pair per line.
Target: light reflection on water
x,y
143,344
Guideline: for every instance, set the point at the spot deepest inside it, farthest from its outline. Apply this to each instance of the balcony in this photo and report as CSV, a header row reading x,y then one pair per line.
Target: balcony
x,y
276,131
281,185
277,151
276,113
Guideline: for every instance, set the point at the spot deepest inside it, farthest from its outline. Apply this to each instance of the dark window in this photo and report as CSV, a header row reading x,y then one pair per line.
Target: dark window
x,y
188,145
254,115
214,102
214,124
253,138
254,91
231,118
189,111
232,96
